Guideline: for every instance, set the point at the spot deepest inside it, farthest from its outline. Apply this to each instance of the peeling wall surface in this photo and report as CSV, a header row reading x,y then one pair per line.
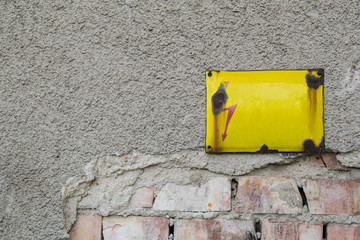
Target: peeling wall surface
x,y
86,84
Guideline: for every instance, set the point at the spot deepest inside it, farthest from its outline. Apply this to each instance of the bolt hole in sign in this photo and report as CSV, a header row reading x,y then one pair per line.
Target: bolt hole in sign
x,y
265,111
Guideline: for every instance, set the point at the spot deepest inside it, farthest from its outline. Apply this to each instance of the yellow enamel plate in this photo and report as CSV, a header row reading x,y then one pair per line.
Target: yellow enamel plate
x,y
265,111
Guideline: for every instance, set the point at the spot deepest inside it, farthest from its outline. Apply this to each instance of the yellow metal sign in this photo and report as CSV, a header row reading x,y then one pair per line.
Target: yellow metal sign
x,y
265,111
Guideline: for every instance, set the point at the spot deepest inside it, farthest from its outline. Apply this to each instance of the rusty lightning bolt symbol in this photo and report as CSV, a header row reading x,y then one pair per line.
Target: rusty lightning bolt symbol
x,y
231,110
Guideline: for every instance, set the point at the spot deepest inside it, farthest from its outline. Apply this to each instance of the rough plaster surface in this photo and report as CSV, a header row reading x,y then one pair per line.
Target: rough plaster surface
x,y
87,79
350,159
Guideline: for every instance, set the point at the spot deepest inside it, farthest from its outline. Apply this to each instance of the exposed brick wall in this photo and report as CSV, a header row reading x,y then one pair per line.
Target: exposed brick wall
x,y
267,195
291,230
343,232
215,195
213,229
228,208
333,196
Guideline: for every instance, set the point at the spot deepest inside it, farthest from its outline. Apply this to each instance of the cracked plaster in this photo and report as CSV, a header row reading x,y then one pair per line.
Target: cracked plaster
x,y
110,181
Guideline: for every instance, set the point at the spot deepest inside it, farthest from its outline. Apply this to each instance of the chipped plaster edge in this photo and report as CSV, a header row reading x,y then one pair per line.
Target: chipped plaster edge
x,y
77,187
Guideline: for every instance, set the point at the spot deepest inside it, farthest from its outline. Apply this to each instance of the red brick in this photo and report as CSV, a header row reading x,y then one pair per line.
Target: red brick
x,y
268,195
336,232
119,228
325,160
271,230
213,230
343,232
333,196
215,195
143,197
353,232
86,228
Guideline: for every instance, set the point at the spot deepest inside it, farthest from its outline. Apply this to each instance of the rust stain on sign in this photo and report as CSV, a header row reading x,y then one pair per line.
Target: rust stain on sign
x,y
267,110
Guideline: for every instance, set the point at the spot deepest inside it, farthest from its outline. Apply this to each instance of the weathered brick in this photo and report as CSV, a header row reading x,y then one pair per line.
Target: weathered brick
x,y
86,228
325,160
214,230
271,230
135,228
326,196
268,195
336,232
215,195
353,232
343,232
143,197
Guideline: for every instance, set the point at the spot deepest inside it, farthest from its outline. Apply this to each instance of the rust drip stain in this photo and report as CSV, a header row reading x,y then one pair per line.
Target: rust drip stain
x,y
216,133
314,78
218,100
312,95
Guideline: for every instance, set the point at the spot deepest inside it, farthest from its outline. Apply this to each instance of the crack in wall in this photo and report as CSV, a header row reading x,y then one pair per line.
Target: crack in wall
x,y
234,186
325,225
303,196
171,228
257,227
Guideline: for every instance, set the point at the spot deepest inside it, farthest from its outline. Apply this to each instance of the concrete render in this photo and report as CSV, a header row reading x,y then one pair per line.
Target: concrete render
x,y
93,80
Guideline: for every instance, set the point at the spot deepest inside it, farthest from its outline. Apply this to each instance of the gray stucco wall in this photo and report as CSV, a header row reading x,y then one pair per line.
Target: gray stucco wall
x,y
86,79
